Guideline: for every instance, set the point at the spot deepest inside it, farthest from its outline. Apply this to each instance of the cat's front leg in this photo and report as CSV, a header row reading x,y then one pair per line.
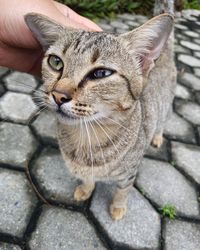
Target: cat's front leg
x,y
84,191
118,206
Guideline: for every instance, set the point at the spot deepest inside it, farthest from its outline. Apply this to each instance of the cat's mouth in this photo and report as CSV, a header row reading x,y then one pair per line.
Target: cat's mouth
x,y
71,119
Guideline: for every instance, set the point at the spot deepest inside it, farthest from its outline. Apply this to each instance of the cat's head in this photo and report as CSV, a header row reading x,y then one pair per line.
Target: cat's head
x,y
93,75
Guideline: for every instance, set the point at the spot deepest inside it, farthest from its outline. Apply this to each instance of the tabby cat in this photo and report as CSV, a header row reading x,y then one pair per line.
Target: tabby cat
x,y
111,93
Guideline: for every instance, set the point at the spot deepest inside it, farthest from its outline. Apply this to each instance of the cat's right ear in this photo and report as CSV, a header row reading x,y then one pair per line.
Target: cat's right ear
x,y
45,30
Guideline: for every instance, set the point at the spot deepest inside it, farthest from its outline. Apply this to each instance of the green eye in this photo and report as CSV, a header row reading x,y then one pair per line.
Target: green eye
x,y
55,62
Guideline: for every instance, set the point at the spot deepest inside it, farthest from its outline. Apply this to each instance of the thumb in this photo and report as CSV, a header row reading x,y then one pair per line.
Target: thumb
x,y
74,17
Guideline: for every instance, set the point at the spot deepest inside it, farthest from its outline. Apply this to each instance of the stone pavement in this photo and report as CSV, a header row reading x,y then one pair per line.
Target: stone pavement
x,y
37,210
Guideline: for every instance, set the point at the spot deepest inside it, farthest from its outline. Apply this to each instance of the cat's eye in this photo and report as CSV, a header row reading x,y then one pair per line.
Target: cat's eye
x,y
100,73
55,62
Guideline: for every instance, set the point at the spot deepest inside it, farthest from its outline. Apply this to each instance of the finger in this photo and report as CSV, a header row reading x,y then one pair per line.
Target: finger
x,y
72,15
25,60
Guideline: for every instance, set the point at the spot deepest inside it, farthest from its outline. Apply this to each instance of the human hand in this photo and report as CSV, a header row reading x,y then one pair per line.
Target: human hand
x,y
18,47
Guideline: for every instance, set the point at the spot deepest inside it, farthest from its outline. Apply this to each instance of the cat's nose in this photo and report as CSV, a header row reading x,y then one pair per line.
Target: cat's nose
x,y
60,98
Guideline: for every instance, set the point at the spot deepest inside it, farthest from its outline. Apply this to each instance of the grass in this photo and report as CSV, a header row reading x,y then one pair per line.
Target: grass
x,y
109,8
192,4
168,211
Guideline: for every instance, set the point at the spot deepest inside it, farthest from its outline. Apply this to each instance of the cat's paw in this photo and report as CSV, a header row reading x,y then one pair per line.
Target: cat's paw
x,y
81,193
157,141
117,213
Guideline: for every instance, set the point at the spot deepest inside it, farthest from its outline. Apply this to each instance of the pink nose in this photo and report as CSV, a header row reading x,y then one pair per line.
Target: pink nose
x,y
60,98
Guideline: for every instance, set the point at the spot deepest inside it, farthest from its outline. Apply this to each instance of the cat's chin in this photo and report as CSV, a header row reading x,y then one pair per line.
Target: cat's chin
x,y
70,120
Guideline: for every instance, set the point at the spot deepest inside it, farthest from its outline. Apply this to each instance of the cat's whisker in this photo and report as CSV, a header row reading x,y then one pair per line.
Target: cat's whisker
x,y
28,86
90,147
117,123
99,146
111,131
36,114
107,135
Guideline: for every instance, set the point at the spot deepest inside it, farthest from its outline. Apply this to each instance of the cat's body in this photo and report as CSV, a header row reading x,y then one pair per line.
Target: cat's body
x,y
111,99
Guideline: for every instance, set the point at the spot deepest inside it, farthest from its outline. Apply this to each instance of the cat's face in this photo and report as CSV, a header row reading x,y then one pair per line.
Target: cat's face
x,y
91,75
90,78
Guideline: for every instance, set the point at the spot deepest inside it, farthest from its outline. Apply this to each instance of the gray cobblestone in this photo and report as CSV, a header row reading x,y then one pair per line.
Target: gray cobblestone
x,y
2,90
20,82
189,60
190,111
64,229
139,229
181,235
3,70
119,25
17,144
8,246
17,202
197,41
179,129
180,26
53,177
187,157
45,127
182,92
197,54
163,184
158,153
190,81
127,16
190,45
197,72
17,107
191,34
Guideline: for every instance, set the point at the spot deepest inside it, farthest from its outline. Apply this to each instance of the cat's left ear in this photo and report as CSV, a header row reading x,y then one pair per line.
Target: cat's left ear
x,y
45,30
147,41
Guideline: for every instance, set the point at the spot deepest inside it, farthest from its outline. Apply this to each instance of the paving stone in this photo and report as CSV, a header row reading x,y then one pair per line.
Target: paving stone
x,y
190,111
106,27
17,107
178,129
2,89
181,49
64,230
17,202
191,34
197,72
190,81
139,229
141,19
54,178
45,127
197,54
20,82
189,60
190,45
3,70
182,92
181,235
119,25
132,24
17,144
180,36
197,95
158,153
127,16
187,158
163,184
8,246
198,130
120,31
197,41
180,26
